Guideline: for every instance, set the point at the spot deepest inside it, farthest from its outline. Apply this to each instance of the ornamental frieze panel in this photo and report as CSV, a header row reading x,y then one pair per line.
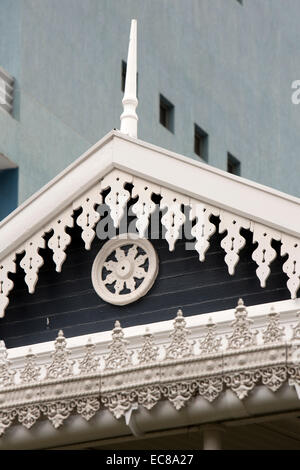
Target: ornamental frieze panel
x,y
192,367
129,378
255,357
97,386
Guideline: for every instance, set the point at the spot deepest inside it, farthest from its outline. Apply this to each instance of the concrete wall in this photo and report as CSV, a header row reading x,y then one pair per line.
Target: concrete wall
x,y
224,66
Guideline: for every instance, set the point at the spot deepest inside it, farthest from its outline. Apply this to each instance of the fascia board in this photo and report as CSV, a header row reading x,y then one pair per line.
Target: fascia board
x,y
216,187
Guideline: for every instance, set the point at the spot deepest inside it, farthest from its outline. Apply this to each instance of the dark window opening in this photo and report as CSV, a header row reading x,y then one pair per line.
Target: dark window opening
x,y
233,165
8,191
200,143
166,113
240,2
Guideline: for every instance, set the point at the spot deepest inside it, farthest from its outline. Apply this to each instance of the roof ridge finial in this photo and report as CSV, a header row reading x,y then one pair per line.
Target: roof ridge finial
x,y
129,117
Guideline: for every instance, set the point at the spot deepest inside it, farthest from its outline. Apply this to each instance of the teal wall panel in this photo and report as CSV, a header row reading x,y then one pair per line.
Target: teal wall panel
x,y
227,67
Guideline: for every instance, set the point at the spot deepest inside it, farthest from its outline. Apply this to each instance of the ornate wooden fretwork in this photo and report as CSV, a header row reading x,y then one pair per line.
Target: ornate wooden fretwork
x,y
118,193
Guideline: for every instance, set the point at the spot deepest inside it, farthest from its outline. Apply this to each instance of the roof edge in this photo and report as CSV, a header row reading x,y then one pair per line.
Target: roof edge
x,y
199,181
208,168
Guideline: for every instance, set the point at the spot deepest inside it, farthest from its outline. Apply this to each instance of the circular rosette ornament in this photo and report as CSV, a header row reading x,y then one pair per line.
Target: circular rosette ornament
x,y
124,269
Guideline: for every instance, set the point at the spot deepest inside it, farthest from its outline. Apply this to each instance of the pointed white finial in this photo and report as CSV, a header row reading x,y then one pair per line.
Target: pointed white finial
x,y
129,117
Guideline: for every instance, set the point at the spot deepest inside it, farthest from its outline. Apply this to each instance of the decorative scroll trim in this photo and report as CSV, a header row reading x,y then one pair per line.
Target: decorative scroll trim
x,y
84,387
60,366
118,196
118,356
148,352
233,242
144,206
211,343
89,216
180,346
60,239
291,247
31,371
242,336
90,362
273,332
7,266
264,254
173,219
32,261
203,229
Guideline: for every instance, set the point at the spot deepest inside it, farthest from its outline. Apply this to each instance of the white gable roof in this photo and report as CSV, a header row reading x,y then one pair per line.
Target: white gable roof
x,y
270,214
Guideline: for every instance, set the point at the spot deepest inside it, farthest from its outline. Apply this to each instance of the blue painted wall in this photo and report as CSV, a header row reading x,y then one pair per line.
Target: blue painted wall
x,y
225,66
8,191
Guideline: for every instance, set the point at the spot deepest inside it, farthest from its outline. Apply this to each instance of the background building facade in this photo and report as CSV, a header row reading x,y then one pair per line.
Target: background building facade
x,y
214,79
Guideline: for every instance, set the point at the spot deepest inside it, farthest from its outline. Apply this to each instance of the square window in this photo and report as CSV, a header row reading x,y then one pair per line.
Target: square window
x,y
200,143
166,113
233,165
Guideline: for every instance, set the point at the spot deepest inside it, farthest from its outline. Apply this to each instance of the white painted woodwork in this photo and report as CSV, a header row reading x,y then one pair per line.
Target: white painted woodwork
x,y
129,118
124,269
